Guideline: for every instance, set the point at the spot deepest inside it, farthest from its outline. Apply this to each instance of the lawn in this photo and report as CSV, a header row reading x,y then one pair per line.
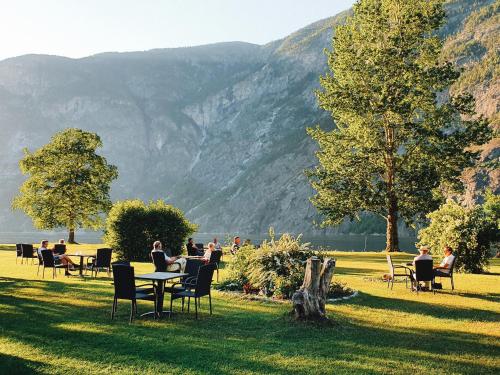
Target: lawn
x,y
64,326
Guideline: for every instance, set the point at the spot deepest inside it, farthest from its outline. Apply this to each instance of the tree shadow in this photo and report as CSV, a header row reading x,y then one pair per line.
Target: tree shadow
x,y
10,364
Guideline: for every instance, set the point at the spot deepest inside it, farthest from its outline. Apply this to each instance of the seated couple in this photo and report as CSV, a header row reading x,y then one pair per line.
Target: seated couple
x,y
178,263
58,258
444,267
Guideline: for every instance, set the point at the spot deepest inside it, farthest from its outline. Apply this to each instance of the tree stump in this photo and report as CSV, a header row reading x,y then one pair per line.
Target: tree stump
x,y
309,301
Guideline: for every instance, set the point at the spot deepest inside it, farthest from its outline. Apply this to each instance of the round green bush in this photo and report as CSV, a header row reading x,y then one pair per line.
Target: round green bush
x,y
132,226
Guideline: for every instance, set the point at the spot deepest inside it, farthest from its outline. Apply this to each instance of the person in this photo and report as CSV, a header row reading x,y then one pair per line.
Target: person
x,y
218,246
208,252
173,263
236,245
58,258
192,249
444,268
61,242
424,255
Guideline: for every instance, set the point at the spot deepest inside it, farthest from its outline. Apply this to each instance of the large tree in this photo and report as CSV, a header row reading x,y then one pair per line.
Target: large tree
x,y
68,183
400,142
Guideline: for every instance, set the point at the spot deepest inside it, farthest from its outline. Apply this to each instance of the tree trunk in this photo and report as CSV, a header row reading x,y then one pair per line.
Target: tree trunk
x,y
309,301
392,239
71,235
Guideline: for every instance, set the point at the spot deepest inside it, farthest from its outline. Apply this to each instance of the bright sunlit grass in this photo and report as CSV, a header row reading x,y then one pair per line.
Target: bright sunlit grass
x,y
64,326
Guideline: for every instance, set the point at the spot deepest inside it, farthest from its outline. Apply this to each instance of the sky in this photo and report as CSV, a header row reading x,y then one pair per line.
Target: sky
x,y
78,28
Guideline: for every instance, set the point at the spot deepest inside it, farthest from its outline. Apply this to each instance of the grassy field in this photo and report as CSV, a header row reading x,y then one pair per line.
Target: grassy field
x,y
64,326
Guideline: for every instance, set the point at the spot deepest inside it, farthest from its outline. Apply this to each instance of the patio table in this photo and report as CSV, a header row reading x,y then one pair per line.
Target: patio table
x,y
82,256
160,278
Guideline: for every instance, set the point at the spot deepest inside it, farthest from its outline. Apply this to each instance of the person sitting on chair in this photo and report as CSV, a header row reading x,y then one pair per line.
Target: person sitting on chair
x,y
58,258
208,252
236,245
173,263
424,255
444,268
192,249
218,246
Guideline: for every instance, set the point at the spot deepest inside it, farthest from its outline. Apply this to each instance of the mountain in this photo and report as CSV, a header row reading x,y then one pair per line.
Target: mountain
x,y
217,130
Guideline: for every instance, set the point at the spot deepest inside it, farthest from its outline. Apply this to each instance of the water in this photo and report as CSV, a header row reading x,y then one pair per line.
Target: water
x,y
343,242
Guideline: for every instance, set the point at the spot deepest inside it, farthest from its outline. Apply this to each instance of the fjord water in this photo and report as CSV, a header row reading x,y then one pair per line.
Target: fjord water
x,y
342,242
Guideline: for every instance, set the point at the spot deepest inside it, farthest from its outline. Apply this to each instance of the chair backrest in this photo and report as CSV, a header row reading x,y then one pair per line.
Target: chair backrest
x,y
452,267
204,280
159,261
215,256
59,248
199,246
27,250
19,249
48,258
192,267
424,270
124,282
168,252
121,263
103,257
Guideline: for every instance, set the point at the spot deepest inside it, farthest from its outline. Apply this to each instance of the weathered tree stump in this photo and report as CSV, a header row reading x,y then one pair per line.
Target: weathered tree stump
x,y
309,301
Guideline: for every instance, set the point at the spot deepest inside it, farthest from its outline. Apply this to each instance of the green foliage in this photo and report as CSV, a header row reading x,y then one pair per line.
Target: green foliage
x,y
339,289
471,232
397,148
276,268
132,227
68,183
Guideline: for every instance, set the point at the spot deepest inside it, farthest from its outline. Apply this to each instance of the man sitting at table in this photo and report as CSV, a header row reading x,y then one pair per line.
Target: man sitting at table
x,y
173,263
444,268
58,258
424,255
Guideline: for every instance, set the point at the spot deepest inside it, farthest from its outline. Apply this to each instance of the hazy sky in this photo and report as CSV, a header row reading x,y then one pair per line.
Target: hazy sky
x,y
77,28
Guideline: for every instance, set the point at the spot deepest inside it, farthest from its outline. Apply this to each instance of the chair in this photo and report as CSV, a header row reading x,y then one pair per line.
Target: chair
x,y
450,274
191,251
59,248
102,260
159,261
125,288
19,251
27,252
423,272
215,259
201,288
49,262
394,271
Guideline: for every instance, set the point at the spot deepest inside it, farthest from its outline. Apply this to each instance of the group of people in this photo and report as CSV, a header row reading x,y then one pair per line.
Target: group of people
x,y
444,267
58,258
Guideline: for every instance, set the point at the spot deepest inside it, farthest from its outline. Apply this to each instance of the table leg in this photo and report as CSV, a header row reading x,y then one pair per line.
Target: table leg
x,y
81,266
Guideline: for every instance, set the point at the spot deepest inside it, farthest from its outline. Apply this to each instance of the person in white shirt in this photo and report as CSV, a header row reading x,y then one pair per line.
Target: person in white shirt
x,y
218,246
444,268
173,263
424,255
208,252
58,258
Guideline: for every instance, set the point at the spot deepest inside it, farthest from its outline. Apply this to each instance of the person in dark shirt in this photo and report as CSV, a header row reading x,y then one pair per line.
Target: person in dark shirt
x,y
236,245
192,249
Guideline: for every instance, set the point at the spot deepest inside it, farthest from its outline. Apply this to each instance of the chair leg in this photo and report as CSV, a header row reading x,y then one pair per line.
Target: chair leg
x,y
452,284
210,302
53,273
189,301
182,304
131,312
113,310
195,308
392,283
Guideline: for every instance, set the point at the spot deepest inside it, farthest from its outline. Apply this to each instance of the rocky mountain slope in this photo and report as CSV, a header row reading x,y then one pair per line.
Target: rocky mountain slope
x,y
218,130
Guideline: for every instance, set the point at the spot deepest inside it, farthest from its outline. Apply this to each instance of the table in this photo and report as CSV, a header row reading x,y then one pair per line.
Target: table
x,y
81,260
160,278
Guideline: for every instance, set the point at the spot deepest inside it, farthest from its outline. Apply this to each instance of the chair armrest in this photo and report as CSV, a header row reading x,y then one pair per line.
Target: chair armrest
x,y
148,284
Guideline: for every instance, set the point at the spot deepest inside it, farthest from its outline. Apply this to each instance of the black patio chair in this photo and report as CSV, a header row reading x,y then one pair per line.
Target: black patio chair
x,y
102,261
59,248
49,262
423,272
395,271
19,251
27,252
159,261
125,288
215,258
196,290
450,274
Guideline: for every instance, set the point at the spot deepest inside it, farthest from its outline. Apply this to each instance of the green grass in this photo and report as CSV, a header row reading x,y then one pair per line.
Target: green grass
x,y
63,326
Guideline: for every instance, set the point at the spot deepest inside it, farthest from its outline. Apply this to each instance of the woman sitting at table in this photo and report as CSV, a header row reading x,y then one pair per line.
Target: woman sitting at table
x,y
208,252
173,263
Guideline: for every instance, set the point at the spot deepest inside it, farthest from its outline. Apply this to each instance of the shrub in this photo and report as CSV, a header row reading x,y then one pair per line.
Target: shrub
x,y
339,289
276,268
471,232
132,227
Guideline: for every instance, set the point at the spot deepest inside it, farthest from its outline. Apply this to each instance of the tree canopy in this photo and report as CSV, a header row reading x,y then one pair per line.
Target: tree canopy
x,y
400,142
68,183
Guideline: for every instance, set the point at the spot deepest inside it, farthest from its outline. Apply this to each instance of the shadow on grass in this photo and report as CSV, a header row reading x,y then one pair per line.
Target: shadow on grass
x,y
10,364
238,338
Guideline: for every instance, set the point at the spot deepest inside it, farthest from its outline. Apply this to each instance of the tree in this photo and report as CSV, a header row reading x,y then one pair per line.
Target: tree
x,y
68,183
400,142
132,226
